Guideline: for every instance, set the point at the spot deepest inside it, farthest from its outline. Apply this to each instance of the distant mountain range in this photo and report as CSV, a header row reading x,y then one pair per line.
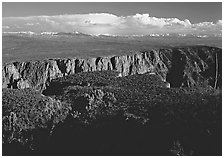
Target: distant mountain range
x,y
76,33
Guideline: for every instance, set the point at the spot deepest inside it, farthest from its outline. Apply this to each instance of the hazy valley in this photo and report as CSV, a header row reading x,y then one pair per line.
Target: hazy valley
x,y
20,47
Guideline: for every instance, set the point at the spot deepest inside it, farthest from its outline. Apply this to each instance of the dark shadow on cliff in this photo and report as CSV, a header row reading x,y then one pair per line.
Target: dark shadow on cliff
x,y
214,66
175,75
195,67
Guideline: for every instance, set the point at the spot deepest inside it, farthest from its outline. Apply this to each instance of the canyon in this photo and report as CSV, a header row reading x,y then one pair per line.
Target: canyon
x,y
181,67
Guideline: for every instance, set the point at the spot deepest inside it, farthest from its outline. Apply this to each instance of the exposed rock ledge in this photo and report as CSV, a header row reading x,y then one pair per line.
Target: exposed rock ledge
x,y
185,66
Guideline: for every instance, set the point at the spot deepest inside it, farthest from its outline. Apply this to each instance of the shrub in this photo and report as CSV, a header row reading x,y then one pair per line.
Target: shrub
x,y
26,114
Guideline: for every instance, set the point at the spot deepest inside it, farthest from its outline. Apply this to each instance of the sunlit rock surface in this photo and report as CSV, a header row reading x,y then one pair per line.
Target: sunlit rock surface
x,y
186,67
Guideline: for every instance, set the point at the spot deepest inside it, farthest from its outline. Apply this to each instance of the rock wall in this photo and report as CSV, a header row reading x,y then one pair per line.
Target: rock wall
x,y
186,66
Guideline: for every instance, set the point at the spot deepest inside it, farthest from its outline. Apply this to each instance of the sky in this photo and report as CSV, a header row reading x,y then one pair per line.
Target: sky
x,y
126,18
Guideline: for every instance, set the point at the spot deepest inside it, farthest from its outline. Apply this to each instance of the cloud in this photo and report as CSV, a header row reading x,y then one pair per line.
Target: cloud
x,y
208,27
145,19
105,23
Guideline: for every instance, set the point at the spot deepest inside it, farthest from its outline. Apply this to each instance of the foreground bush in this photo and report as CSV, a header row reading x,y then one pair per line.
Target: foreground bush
x,y
28,119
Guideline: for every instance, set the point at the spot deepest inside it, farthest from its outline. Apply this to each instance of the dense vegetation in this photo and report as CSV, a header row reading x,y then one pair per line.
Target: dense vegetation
x,y
104,79
28,118
100,113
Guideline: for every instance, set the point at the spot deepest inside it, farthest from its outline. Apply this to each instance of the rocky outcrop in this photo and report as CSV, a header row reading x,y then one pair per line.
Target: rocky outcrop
x,y
94,105
186,66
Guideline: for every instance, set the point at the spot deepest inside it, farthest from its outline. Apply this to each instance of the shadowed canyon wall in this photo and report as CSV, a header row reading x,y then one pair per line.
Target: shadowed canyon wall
x,y
181,67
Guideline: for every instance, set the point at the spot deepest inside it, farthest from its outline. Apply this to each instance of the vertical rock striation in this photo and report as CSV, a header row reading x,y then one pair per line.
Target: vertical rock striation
x,y
186,66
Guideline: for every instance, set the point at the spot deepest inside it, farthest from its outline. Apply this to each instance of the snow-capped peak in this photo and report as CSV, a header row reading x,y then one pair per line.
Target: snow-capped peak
x,y
48,33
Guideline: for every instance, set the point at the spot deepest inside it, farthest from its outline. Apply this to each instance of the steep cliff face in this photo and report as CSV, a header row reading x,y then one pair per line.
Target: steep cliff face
x,y
187,66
